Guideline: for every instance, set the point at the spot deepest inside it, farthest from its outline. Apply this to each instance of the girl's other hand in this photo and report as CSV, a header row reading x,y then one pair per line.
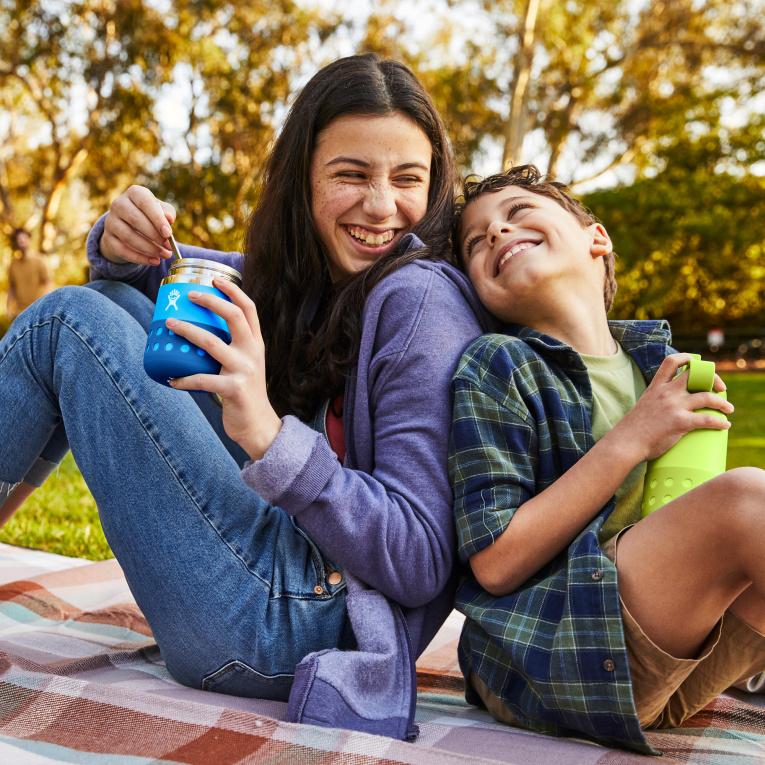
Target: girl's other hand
x,y
248,417
667,411
135,230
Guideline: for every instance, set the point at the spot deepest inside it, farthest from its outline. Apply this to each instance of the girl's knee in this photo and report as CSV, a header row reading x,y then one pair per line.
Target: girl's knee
x,y
96,299
66,297
67,300
111,288
102,286
86,311
140,307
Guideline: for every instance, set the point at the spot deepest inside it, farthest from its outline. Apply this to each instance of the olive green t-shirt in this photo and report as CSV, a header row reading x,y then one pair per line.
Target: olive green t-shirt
x,y
617,384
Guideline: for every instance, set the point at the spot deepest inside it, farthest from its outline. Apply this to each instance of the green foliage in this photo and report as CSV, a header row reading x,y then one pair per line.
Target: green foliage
x,y
610,82
81,83
461,86
690,243
650,77
242,62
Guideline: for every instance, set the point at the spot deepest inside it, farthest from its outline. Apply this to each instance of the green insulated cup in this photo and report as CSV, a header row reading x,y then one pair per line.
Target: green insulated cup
x,y
698,456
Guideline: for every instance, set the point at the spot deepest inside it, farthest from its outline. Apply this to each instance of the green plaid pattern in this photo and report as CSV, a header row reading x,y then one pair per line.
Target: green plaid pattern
x,y
553,650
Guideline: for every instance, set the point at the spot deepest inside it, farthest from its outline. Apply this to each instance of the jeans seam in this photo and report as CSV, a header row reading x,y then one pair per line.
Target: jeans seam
x,y
157,446
234,664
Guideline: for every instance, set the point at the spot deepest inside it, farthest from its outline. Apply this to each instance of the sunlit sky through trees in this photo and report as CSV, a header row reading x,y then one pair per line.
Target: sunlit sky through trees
x,y
464,21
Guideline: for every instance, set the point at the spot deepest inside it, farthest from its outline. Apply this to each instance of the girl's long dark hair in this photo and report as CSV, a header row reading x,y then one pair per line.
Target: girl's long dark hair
x,y
312,328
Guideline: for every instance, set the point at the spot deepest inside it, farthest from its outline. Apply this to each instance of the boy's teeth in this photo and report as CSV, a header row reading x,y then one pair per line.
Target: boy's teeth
x,y
514,251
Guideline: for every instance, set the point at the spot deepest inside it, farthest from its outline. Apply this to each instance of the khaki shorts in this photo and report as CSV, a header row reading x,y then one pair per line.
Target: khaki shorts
x,y
667,690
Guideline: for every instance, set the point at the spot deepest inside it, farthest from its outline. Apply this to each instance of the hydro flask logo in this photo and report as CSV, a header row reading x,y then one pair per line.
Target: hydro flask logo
x,y
173,299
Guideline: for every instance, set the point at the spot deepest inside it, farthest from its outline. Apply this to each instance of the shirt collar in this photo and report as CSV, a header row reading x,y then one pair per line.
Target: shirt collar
x,y
645,341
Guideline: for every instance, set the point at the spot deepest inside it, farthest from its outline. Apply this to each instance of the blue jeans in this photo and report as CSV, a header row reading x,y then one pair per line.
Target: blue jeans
x,y
142,310
234,591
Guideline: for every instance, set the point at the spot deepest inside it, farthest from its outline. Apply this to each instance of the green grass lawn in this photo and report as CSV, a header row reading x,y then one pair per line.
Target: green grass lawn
x,y
746,437
61,517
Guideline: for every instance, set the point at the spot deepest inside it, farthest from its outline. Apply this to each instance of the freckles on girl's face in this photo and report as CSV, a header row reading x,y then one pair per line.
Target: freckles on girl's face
x,y
370,178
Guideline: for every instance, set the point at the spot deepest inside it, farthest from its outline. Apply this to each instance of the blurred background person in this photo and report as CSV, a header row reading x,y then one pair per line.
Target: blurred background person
x,y
28,275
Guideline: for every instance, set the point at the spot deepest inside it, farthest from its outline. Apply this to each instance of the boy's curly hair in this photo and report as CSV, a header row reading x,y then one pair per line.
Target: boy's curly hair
x,y
529,177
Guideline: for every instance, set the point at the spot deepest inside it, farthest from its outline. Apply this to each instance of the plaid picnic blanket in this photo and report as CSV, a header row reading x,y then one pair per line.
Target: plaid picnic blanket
x,y
81,681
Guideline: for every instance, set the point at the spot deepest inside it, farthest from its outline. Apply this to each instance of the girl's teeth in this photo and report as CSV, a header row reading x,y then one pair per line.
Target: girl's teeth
x,y
370,239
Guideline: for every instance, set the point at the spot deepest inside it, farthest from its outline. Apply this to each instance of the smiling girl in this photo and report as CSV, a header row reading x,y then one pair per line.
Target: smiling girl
x,y
256,545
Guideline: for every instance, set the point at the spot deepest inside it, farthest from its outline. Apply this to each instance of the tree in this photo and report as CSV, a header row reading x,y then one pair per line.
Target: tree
x,y
82,83
78,84
595,84
458,83
690,242
244,63
516,126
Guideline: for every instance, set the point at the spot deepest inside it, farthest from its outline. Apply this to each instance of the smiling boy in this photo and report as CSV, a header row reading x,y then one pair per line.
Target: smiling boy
x,y
554,420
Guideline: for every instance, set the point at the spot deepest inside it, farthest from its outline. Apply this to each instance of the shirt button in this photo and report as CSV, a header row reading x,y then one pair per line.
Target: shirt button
x,y
319,590
597,575
608,665
335,578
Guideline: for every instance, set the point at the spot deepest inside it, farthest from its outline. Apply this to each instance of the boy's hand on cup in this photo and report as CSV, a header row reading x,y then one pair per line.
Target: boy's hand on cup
x,y
248,417
136,230
667,411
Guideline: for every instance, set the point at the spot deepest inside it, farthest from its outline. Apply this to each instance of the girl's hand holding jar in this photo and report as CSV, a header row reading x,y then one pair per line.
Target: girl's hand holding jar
x,y
248,417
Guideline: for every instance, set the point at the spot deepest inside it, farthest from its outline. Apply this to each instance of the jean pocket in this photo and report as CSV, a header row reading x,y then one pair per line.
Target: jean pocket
x,y
239,679
329,579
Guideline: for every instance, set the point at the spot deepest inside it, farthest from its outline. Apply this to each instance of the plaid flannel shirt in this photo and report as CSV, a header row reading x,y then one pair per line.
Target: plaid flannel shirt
x,y
553,650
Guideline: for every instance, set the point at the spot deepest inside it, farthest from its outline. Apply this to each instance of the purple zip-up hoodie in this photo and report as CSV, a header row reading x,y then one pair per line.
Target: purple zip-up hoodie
x,y
386,514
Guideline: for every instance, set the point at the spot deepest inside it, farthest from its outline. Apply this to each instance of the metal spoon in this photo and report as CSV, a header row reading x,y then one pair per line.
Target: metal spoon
x,y
173,243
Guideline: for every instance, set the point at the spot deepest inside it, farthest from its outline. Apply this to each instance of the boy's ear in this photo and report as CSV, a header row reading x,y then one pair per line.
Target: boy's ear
x,y
601,241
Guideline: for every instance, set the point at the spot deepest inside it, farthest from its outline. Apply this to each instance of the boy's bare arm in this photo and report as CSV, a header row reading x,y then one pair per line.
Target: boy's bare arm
x,y
547,523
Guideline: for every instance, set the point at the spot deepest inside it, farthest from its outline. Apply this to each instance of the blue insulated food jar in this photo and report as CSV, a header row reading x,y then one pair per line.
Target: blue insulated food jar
x,y
169,355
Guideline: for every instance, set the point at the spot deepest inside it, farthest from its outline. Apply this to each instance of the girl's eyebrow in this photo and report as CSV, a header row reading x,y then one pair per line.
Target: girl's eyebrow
x,y
367,165
349,161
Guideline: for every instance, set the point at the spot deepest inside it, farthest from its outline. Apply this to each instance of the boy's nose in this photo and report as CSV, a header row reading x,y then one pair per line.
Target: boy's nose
x,y
497,229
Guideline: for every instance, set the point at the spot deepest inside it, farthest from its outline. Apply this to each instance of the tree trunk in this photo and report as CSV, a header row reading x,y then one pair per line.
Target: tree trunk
x,y
516,130
558,141
54,200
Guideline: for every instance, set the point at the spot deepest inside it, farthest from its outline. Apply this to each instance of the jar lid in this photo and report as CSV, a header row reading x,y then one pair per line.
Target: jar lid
x,y
203,266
